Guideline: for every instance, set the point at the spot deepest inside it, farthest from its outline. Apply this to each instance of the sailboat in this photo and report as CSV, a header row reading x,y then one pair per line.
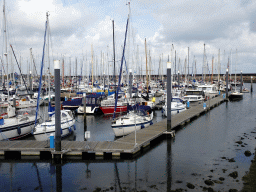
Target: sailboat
x,y
14,124
177,106
114,104
43,130
135,119
235,95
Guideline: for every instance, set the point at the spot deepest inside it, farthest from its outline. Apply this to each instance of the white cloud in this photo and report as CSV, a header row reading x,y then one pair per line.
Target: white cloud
x,y
223,25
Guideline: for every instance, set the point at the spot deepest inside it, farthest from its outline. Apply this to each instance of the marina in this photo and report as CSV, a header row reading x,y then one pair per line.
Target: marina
x,y
128,145
127,96
207,147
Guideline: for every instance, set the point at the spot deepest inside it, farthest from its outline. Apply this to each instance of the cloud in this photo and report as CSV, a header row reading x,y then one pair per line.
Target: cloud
x,y
166,25
26,21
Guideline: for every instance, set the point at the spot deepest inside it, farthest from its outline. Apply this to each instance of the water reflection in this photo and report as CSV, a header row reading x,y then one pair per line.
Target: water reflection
x,y
195,155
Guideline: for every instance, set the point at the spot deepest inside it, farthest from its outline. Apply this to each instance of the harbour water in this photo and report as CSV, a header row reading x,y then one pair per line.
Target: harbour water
x,y
204,149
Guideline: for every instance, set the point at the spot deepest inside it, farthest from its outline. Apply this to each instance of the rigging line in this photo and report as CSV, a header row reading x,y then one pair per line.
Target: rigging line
x,y
19,68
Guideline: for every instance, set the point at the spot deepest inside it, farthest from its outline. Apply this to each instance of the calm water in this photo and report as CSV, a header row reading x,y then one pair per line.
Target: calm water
x,y
196,154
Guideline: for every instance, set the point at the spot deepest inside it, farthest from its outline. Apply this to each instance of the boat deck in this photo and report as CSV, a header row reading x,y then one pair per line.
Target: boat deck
x,y
120,148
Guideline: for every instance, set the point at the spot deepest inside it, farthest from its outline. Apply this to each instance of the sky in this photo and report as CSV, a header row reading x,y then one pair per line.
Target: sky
x,y
81,34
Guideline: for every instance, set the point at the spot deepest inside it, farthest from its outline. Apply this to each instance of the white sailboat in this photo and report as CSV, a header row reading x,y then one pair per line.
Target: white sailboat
x,y
14,124
43,130
134,120
176,107
236,95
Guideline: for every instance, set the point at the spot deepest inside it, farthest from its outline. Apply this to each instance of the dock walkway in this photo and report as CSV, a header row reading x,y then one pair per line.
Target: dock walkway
x,y
106,149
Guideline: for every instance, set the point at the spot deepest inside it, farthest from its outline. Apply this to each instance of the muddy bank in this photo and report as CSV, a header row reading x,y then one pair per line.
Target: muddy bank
x,y
249,179
226,172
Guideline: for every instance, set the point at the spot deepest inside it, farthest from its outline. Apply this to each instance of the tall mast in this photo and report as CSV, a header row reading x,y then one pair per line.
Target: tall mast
x,y
5,53
212,68
162,68
204,65
230,63
175,66
235,70
188,63
70,73
146,63
48,57
92,66
114,56
219,67
63,72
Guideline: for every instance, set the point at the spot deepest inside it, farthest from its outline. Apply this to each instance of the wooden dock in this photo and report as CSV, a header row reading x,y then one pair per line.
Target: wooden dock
x,y
125,147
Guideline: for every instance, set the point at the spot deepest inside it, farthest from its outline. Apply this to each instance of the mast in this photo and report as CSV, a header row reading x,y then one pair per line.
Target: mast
x,y
114,57
31,61
230,64
185,69
146,63
5,53
219,67
63,72
212,68
76,75
188,63
116,96
92,65
175,67
41,71
203,69
235,70
70,73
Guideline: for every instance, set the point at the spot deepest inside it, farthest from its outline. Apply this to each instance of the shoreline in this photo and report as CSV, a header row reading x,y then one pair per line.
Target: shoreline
x,y
249,183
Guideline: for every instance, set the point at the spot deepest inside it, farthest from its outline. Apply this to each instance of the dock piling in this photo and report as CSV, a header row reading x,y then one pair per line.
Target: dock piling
x,y
241,82
57,105
227,84
85,120
251,85
169,97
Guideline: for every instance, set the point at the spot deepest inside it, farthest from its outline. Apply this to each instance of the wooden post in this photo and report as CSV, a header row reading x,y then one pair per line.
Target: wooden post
x,y
57,105
251,85
241,83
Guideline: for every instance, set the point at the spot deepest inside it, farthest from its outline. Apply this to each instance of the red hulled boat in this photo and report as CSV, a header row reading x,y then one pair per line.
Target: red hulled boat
x,y
110,109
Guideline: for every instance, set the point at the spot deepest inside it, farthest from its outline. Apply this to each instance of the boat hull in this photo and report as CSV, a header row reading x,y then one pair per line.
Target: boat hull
x,y
173,111
121,130
234,97
42,134
15,130
110,109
